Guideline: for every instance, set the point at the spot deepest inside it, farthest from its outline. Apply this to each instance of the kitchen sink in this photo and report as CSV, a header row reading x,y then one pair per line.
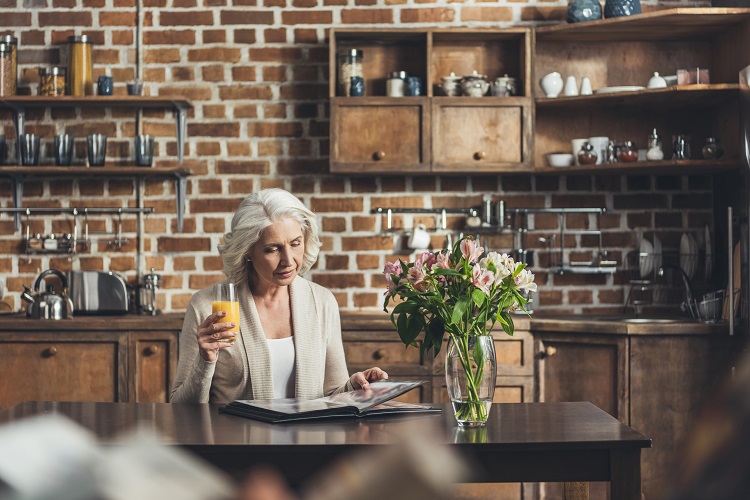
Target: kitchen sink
x,y
647,320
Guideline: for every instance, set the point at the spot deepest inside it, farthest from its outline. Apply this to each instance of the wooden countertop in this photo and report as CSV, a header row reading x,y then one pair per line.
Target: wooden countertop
x,y
355,324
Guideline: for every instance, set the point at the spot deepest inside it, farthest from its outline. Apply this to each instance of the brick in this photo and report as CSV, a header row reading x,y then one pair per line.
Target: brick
x,y
180,301
246,17
366,261
238,148
244,36
122,18
336,205
213,130
169,37
121,264
364,223
309,36
366,243
206,206
276,55
292,17
486,14
62,18
191,18
183,244
198,281
183,263
543,13
367,300
245,92
636,201
213,263
208,149
161,56
243,167
333,224
337,262
214,225
369,16
214,36
223,54
209,186
435,15
339,280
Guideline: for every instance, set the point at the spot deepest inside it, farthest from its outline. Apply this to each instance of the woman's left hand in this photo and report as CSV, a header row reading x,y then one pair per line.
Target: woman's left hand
x,y
361,380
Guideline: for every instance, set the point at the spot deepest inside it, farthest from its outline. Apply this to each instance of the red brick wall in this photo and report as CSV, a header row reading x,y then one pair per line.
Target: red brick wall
x,y
256,73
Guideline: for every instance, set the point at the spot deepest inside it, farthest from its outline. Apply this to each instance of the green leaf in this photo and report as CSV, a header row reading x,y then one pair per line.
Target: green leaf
x,y
437,330
480,356
479,297
459,310
507,323
406,307
413,328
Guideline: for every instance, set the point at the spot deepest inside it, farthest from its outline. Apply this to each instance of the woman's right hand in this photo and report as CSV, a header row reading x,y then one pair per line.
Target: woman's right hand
x,y
212,335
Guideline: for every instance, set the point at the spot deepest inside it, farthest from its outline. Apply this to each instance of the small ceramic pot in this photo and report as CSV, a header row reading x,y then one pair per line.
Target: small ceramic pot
x,y
504,86
583,10
475,85
552,84
451,85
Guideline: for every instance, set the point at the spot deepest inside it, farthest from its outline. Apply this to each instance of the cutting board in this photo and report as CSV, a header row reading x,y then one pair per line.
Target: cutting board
x,y
737,284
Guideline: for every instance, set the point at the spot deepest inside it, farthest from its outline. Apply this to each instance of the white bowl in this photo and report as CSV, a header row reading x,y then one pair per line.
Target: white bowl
x,y
560,159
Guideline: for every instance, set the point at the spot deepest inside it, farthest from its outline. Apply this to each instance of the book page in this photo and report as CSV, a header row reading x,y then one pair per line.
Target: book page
x,y
377,393
291,406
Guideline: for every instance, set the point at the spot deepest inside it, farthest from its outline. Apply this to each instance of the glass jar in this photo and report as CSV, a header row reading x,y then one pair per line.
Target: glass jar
x,y
587,155
396,84
11,44
52,81
681,147
80,66
350,64
6,71
627,153
712,150
654,151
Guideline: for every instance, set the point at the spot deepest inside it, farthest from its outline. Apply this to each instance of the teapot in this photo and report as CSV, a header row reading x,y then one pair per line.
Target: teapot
x,y
48,304
475,85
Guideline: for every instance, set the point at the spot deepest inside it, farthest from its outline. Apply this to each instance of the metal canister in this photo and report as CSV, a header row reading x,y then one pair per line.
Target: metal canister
x,y
11,49
80,66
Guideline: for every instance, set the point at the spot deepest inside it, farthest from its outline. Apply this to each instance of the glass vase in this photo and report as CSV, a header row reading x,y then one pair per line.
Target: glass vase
x,y
470,371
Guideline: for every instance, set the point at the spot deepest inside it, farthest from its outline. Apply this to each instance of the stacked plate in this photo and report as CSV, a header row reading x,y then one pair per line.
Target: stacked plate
x,y
646,257
688,254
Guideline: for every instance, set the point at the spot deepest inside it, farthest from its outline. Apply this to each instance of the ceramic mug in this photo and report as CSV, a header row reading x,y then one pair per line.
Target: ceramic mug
x,y
420,238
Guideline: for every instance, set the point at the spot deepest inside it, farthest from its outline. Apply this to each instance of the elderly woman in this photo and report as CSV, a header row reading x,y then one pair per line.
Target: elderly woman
x,y
289,343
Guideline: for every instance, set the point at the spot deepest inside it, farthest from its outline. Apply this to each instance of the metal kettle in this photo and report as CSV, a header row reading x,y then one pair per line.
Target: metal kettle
x,y
48,304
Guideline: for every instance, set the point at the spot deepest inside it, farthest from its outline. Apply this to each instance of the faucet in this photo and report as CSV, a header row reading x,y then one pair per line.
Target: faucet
x,y
686,280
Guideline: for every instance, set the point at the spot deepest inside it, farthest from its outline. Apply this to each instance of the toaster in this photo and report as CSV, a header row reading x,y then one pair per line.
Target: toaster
x,y
97,292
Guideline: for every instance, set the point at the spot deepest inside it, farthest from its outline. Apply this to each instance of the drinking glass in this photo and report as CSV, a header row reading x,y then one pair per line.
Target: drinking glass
x,y
97,149
144,150
30,149
63,149
225,299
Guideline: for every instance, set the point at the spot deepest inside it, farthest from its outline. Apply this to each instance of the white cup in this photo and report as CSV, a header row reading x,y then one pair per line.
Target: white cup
x,y
420,238
575,146
600,147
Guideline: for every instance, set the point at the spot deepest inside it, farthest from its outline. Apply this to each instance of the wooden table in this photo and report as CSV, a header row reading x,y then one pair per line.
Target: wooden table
x,y
522,442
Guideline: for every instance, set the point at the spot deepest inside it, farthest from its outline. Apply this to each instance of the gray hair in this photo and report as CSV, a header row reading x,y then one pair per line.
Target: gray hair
x,y
257,212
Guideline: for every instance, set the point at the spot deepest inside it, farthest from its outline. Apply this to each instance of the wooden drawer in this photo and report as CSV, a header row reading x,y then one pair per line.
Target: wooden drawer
x,y
153,360
364,354
507,390
60,371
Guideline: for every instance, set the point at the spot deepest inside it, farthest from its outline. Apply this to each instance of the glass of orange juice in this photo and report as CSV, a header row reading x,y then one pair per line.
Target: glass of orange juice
x,y
225,299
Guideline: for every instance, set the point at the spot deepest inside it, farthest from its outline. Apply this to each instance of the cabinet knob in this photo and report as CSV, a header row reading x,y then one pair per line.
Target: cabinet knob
x,y
549,351
50,351
480,155
378,155
151,350
379,354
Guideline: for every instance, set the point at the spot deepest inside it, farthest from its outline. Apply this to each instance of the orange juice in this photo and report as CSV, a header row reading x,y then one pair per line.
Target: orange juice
x,y
233,315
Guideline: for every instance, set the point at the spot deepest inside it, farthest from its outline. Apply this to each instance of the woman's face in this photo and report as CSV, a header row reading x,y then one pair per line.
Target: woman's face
x,y
277,256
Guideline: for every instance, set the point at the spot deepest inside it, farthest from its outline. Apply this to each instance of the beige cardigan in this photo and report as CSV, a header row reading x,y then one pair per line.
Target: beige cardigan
x,y
243,371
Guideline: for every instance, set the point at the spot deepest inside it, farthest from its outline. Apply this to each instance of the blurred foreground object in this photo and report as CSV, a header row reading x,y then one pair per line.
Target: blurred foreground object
x,y
50,457
715,458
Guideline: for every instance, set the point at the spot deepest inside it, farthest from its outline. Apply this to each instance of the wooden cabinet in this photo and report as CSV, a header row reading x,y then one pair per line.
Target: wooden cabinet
x,y
656,384
124,359
379,134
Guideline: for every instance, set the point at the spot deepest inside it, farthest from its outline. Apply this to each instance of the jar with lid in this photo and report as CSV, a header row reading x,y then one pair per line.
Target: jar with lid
x,y
587,155
627,152
350,64
11,48
52,81
6,71
712,150
80,66
147,293
396,84
654,151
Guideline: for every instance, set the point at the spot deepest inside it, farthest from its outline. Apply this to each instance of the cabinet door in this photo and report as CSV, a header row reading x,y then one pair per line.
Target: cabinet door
x,y
575,367
153,358
379,135
60,370
481,134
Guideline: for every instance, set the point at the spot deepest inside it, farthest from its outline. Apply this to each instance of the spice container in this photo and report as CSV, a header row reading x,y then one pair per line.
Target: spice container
x,y
52,81
80,66
6,71
680,147
350,64
627,152
11,47
587,155
712,150
396,84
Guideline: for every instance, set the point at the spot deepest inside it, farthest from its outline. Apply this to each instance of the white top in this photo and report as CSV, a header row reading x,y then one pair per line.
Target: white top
x,y
282,366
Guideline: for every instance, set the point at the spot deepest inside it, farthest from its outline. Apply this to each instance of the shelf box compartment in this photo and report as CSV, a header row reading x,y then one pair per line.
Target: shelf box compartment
x,y
383,52
380,135
481,134
490,53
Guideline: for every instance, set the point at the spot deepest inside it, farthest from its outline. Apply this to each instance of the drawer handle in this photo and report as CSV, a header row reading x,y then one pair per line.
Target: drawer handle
x,y
378,155
379,354
151,350
49,352
549,351
480,155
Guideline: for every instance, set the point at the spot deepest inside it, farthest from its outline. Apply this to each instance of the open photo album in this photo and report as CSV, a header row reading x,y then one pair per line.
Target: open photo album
x,y
376,400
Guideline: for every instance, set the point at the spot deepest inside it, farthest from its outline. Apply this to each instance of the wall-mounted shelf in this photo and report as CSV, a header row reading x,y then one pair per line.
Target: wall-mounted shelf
x,y
179,105
19,174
